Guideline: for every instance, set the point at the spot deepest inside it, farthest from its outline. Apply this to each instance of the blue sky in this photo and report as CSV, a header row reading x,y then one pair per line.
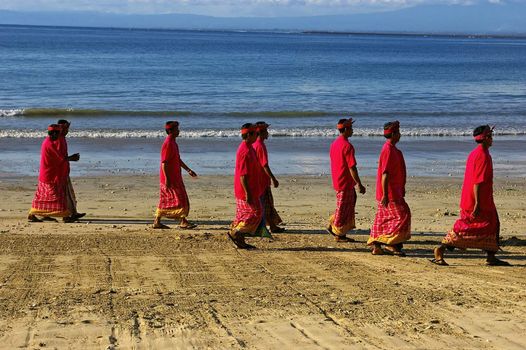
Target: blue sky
x,y
229,8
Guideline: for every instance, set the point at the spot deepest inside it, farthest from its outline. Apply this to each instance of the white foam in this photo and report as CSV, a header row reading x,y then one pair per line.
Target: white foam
x,y
11,112
234,133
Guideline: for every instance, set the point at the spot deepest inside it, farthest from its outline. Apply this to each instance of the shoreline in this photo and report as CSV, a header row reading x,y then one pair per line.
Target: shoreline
x,y
430,157
433,200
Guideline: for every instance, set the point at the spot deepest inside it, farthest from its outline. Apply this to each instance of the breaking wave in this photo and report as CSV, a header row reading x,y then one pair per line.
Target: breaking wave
x,y
234,133
74,112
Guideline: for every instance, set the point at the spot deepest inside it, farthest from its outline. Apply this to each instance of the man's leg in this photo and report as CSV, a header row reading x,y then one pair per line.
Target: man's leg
x,y
492,260
239,239
270,215
157,222
72,203
342,220
438,252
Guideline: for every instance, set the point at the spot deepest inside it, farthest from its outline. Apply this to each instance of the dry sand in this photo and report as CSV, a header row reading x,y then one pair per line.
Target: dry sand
x,y
112,282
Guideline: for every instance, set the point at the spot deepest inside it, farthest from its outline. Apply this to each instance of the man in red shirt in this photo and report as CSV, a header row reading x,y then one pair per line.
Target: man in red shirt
x,y
478,226
50,199
392,223
247,189
70,193
173,202
344,178
272,217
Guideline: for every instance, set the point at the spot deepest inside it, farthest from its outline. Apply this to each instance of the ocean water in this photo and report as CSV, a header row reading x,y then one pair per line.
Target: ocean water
x,y
119,86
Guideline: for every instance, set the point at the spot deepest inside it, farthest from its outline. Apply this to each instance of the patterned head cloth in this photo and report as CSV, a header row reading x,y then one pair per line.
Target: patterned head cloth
x,y
54,127
171,124
247,129
347,123
483,132
391,127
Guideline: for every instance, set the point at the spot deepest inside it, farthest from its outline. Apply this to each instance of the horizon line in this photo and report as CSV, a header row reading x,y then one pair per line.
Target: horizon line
x,y
464,35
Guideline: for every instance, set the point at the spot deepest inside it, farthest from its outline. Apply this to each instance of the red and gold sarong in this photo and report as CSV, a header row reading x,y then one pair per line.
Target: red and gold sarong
x,y
248,217
272,217
51,200
342,221
392,224
173,203
481,232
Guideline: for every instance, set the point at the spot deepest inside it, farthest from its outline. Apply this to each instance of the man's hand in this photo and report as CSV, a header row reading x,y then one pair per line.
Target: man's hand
x,y
361,188
275,182
385,201
168,184
192,173
74,157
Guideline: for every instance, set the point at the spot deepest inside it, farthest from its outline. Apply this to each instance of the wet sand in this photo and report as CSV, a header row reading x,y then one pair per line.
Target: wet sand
x,y
308,156
112,282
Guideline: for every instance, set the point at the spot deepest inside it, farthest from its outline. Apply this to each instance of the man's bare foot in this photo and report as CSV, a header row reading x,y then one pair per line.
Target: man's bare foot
x,y
393,250
438,252
33,218
159,225
249,247
377,250
491,260
239,240
496,262
78,215
186,225
343,239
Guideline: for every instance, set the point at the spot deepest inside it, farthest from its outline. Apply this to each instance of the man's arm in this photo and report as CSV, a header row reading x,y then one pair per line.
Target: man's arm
x,y
185,167
356,178
385,189
275,181
476,207
244,184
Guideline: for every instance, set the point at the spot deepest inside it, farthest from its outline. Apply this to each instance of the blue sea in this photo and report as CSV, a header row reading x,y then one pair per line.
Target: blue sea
x,y
119,86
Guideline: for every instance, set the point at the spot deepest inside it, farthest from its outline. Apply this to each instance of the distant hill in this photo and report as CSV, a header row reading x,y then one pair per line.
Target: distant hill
x,y
475,19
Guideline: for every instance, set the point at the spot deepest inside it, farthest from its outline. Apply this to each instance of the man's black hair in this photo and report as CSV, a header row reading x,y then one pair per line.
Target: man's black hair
x,y
259,124
342,121
479,130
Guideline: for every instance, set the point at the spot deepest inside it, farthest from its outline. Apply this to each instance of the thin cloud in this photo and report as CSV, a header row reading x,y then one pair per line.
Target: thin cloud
x,y
229,7
335,3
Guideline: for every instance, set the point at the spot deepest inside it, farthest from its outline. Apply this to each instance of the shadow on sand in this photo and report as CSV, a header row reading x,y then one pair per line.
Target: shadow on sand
x,y
123,221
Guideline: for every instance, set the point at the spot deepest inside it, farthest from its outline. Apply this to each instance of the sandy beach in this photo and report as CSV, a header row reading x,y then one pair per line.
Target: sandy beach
x,y
112,282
